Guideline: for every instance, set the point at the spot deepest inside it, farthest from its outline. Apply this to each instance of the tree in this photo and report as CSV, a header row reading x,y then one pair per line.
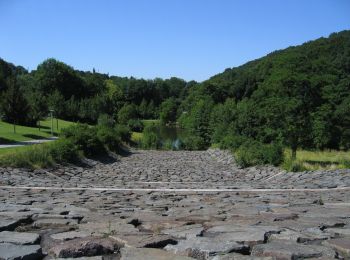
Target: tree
x,y
56,102
168,111
126,113
14,105
321,126
38,107
143,109
53,75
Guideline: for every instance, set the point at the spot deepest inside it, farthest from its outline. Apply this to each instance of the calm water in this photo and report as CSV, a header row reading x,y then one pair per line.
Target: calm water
x,y
172,134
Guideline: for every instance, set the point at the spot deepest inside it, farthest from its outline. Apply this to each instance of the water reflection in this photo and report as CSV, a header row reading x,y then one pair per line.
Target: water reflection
x,y
171,136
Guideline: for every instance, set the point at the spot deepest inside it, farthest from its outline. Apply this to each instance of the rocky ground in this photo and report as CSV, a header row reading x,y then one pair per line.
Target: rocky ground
x,y
173,205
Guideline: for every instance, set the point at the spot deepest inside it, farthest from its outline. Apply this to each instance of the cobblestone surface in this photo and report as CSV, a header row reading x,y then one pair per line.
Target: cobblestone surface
x,y
146,208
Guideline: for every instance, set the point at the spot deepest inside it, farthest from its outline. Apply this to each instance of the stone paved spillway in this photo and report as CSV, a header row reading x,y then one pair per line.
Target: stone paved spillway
x,y
174,205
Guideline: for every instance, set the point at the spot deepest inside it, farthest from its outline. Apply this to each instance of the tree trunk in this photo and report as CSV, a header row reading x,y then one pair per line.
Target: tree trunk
x,y
14,127
294,152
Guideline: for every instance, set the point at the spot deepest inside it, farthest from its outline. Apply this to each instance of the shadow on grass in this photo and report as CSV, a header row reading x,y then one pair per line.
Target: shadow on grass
x,y
6,141
49,132
44,127
34,136
321,163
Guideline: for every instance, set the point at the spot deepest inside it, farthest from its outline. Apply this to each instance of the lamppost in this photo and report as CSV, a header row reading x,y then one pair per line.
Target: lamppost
x,y
51,113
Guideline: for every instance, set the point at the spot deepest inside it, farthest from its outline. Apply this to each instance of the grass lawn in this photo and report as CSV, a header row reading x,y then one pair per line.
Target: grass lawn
x,y
24,133
4,151
148,122
136,137
314,160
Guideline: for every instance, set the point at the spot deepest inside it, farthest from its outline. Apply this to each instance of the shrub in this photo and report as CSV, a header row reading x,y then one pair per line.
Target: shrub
x,y
108,137
232,142
123,132
105,120
194,143
293,165
256,153
85,138
41,155
35,156
63,150
135,125
150,138
167,145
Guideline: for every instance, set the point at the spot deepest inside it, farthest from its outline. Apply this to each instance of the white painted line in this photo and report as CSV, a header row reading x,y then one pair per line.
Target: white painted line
x,y
169,190
273,176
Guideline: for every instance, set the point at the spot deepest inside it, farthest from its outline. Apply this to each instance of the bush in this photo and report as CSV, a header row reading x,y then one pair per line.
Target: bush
x,y
35,156
194,143
84,138
41,155
135,125
293,165
63,150
109,137
255,153
167,145
123,132
105,120
232,142
150,138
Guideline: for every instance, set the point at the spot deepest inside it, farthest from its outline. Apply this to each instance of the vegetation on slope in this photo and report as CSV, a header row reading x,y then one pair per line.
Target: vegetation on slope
x,y
25,133
298,97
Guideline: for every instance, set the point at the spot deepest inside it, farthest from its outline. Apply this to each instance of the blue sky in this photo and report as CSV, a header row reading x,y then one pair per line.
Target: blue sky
x,y
191,39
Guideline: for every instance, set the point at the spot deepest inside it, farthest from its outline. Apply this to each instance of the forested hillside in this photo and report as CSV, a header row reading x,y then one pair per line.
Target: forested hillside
x,y
299,97
296,97
27,97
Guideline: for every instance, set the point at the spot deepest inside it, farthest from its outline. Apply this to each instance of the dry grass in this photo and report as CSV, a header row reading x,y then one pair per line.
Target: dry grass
x,y
315,160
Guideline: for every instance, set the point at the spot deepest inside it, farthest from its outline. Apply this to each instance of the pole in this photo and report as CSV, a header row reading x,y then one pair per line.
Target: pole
x,y
51,122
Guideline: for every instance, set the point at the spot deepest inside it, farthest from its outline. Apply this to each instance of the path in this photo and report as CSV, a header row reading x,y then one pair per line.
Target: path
x,y
29,142
168,205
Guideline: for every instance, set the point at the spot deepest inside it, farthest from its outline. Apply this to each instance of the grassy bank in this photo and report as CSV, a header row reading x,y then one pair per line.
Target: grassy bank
x,y
25,133
147,122
315,160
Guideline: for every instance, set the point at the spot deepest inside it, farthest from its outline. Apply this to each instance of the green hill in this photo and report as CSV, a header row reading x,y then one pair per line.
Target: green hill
x,y
299,96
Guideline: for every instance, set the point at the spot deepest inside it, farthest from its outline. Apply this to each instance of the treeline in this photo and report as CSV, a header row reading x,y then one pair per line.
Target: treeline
x,y
298,97
27,97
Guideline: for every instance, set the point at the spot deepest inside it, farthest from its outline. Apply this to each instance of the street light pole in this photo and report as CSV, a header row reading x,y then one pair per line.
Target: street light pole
x,y
51,112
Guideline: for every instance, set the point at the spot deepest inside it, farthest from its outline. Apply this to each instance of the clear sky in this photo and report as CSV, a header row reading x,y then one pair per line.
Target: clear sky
x,y
191,39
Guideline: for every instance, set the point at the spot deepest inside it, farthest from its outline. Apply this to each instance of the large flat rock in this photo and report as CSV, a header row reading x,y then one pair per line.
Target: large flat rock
x,y
69,235
15,252
292,250
19,238
341,245
145,240
186,231
249,235
90,246
131,253
205,247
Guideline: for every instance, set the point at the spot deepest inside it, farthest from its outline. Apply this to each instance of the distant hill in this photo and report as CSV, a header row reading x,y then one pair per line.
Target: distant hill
x,y
324,61
300,95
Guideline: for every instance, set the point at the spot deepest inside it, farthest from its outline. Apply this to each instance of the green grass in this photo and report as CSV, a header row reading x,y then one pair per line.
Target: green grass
x,y
315,160
148,122
136,137
25,133
40,155
12,150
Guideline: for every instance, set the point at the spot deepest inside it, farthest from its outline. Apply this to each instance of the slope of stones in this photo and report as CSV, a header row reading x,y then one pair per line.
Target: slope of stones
x,y
280,222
